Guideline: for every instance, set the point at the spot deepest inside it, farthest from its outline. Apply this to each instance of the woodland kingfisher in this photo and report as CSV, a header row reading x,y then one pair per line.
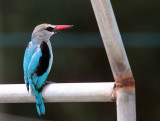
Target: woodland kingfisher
x,y
38,60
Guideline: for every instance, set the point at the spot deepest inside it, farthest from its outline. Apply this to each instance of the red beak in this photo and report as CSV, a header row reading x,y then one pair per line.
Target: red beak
x,y
59,27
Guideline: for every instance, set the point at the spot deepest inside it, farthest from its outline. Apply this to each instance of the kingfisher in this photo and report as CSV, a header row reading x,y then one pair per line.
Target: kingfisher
x,y
38,60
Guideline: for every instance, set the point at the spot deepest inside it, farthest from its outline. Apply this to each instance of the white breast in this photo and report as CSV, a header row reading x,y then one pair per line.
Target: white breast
x,y
50,48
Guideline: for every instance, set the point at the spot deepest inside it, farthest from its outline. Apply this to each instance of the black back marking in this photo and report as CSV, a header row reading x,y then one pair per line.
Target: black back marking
x,y
44,59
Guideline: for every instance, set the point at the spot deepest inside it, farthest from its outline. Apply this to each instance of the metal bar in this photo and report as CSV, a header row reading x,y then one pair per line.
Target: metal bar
x,y
125,84
59,92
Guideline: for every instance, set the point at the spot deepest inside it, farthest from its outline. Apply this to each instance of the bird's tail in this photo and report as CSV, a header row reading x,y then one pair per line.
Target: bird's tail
x,y
39,102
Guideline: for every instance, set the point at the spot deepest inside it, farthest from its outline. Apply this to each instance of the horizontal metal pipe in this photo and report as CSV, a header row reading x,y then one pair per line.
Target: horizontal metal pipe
x,y
59,92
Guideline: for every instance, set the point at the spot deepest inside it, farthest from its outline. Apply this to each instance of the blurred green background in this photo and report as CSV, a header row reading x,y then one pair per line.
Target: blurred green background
x,y
79,55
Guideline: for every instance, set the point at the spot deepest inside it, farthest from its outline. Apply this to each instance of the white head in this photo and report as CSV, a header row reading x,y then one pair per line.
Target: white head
x,y
45,31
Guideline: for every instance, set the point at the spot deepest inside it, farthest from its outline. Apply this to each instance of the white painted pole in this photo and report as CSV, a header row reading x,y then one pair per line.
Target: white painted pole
x,y
125,83
59,92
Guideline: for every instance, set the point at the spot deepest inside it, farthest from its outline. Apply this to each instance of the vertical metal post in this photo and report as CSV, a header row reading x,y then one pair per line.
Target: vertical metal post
x,y
125,84
1,17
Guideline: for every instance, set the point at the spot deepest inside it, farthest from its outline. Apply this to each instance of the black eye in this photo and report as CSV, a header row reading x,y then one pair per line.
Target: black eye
x,y
50,29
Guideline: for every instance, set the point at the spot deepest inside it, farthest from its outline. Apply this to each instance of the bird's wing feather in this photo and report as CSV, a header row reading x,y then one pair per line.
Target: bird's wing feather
x,y
27,57
33,65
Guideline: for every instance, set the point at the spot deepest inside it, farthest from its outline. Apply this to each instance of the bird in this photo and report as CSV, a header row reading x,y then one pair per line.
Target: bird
x,y
38,58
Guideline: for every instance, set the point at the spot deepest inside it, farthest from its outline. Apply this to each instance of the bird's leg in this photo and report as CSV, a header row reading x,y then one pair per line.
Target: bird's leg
x,y
27,85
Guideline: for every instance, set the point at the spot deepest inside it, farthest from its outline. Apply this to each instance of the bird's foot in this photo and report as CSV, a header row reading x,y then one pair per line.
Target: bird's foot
x,y
48,82
45,84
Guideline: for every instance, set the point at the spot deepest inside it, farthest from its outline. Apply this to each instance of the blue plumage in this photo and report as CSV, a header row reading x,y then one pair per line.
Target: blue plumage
x,y
35,75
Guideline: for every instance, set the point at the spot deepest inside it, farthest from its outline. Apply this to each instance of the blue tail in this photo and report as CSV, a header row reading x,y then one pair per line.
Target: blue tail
x,y
38,97
39,102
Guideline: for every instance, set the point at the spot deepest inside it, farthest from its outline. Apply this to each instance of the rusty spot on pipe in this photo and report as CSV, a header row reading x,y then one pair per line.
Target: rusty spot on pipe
x,y
125,80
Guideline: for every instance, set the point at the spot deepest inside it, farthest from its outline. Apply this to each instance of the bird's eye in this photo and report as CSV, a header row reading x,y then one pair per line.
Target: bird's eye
x,y
50,29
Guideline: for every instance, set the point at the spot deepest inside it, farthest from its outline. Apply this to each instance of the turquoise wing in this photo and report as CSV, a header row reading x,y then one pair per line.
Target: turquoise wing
x,y
27,57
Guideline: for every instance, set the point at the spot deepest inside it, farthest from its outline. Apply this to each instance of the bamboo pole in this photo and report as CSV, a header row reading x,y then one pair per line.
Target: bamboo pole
x,y
125,84
59,92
